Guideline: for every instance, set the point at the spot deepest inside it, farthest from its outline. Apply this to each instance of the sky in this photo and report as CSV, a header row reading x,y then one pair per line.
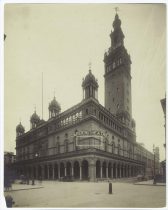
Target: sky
x,y
60,40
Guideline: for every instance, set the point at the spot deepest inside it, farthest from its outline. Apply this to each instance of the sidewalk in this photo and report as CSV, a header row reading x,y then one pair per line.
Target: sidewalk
x,y
150,182
17,186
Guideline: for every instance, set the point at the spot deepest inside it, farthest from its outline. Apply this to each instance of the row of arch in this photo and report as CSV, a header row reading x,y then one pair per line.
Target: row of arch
x,y
81,170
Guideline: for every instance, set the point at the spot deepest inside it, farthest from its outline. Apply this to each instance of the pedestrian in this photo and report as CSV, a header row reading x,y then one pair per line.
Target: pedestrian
x,y
9,201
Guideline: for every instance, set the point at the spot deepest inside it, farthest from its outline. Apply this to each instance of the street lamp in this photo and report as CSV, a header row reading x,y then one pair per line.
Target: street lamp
x,y
36,155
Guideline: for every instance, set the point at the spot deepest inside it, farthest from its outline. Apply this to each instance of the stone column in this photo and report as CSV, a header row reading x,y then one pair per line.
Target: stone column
x,y
42,172
53,172
80,172
92,172
120,172
106,172
72,171
65,171
112,172
116,172
101,172
58,171
48,172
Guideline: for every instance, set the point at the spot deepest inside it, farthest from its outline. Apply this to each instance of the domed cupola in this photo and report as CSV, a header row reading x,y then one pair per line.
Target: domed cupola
x,y
54,108
19,130
90,86
34,120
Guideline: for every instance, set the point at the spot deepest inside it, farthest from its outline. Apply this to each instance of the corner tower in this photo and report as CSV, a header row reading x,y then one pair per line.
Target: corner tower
x,y
90,86
118,76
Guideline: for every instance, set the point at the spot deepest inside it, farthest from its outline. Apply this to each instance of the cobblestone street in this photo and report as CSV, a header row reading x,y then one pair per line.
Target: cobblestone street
x,y
85,194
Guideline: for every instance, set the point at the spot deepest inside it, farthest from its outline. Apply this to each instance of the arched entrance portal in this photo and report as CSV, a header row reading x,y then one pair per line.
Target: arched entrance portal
x,y
76,170
85,173
56,171
62,170
69,169
114,170
104,169
109,170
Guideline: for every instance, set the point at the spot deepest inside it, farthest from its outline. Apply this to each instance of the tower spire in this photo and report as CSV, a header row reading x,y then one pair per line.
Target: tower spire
x,y
90,66
54,92
35,108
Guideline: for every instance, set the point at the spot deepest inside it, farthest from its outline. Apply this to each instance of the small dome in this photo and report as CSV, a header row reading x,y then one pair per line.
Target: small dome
x,y
20,128
90,78
54,105
34,118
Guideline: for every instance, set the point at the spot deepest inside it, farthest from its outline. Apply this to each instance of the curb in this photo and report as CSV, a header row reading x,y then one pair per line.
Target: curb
x,y
151,184
24,189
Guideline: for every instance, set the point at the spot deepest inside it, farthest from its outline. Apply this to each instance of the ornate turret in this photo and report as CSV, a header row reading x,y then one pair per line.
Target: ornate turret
x,y
90,86
19,130
54,108
34,120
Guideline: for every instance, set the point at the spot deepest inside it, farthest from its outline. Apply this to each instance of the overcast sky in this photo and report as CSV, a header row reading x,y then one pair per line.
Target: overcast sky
x,y
60,40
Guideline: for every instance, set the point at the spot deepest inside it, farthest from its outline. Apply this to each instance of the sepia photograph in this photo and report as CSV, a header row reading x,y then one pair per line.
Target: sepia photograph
x,y
84,105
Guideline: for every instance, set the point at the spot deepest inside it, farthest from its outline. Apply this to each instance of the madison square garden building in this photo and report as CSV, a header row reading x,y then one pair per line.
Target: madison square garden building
x,y
88,141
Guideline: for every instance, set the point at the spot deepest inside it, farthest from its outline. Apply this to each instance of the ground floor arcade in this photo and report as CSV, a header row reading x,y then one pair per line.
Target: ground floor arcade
x,y
81,169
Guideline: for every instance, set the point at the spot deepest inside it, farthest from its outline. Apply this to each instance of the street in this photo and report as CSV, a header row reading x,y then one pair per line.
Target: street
x,y
85,194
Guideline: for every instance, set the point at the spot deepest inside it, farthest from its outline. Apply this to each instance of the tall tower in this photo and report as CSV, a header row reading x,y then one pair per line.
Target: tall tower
x,y
118,76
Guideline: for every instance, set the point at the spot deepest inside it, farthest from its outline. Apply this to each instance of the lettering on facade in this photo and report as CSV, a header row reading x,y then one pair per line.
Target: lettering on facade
x,y
93,138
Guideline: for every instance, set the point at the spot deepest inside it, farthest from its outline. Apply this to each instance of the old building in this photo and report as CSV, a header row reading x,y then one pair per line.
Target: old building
x,y
88,141
163,163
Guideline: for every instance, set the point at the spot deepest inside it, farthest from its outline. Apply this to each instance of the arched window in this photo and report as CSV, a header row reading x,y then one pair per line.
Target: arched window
x,y
112,149
66,145
66,135
119,148
58,147
105,145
